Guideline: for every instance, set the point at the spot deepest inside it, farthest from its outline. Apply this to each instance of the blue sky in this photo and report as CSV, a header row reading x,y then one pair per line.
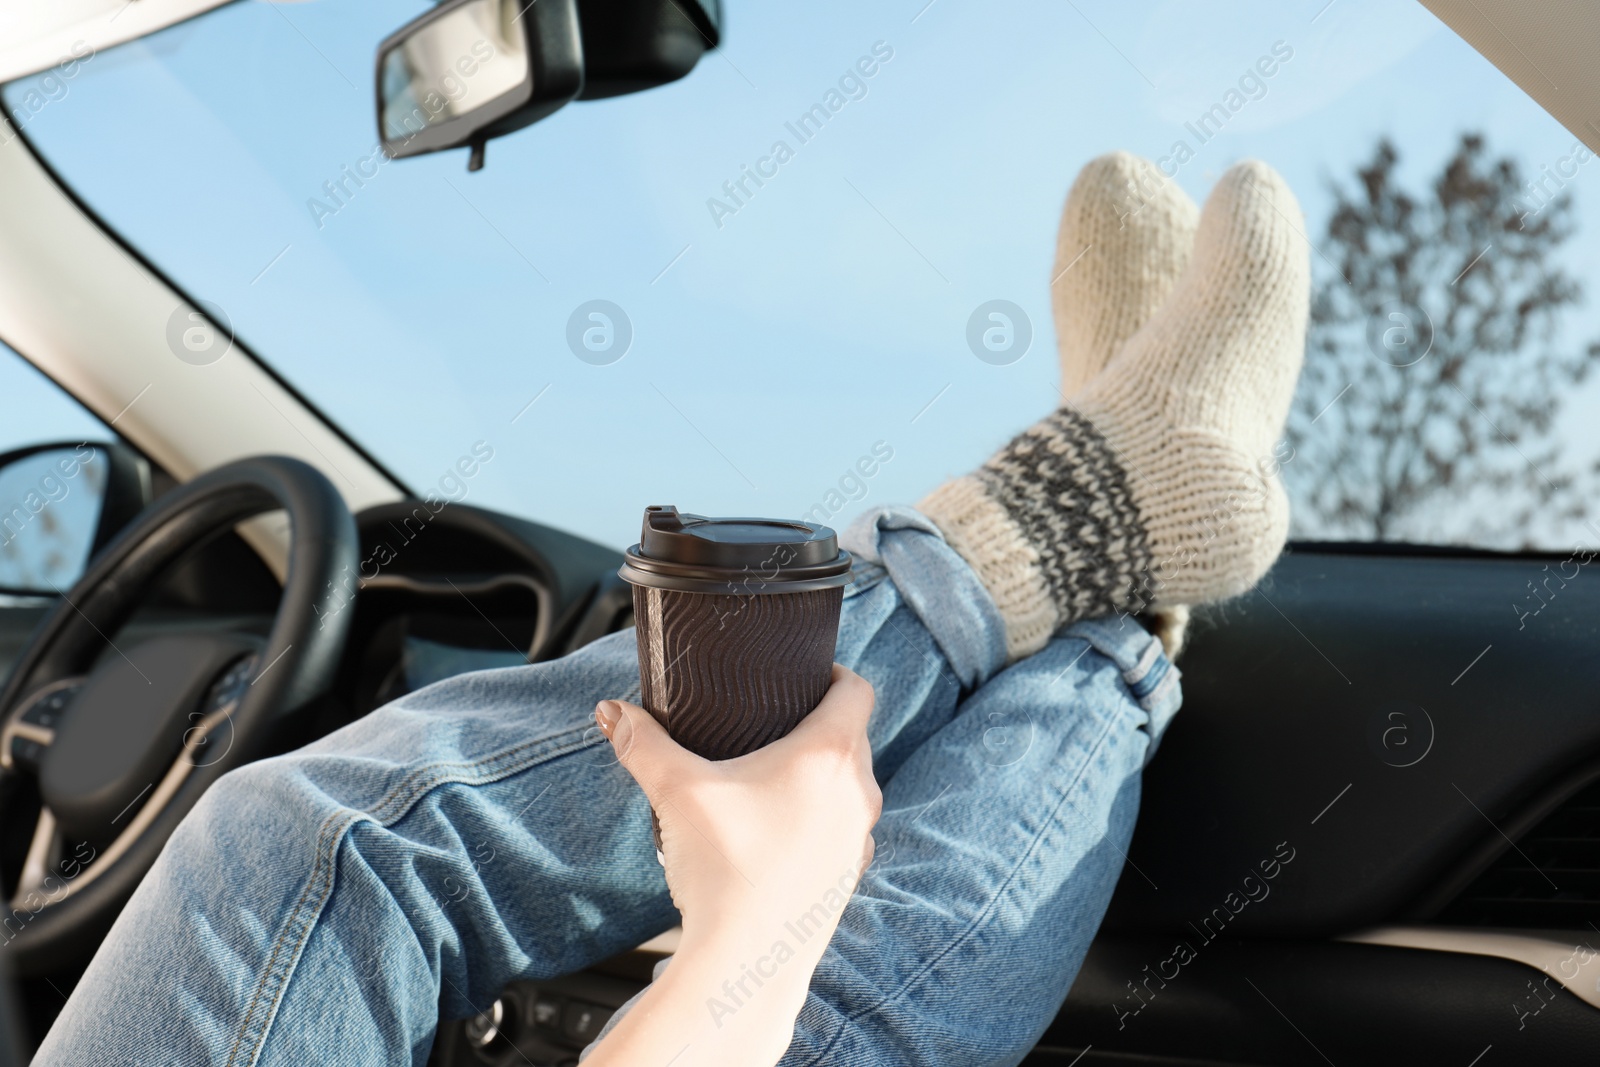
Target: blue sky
x,y
769,352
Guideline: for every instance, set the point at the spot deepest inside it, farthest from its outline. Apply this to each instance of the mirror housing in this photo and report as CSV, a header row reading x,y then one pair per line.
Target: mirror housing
x,y
470,70
633,45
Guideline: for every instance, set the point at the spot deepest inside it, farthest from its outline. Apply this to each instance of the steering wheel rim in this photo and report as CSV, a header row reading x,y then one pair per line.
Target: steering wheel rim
x,y
298,663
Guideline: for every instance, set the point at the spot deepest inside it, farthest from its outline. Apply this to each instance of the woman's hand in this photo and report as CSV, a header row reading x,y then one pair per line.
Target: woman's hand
x,y
761,854
754,842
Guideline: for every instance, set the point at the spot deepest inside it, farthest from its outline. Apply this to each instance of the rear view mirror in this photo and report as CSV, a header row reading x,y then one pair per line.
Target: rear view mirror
x,y
474,69
470,70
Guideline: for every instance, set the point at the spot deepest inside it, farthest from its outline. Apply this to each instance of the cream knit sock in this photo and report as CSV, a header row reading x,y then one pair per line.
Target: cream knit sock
x,y
1152,490
1125,238
1126,235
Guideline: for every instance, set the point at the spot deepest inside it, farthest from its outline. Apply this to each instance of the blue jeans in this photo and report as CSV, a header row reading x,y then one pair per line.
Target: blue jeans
x,y
322,905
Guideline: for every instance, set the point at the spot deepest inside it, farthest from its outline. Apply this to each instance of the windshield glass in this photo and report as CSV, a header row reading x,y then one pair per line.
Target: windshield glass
x,y
742,292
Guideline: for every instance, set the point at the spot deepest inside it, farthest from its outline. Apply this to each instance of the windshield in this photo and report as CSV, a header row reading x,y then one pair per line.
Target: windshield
x,y
742,292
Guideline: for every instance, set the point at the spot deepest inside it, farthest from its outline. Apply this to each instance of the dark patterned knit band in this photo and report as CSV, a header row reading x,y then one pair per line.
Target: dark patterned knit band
x,y
1061,483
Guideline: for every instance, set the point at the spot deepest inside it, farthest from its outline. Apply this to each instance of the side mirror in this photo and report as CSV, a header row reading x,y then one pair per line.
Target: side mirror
x,y
59,505
470,70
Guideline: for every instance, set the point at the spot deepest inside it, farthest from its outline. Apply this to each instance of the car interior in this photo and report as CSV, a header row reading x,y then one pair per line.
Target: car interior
x,y
1371,836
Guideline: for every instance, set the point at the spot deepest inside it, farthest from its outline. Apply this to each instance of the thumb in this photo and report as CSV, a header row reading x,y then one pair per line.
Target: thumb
x,y
642,745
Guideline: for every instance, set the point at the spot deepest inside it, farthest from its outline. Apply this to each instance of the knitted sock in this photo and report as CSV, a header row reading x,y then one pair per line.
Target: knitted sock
x,y
1126,235
1153,489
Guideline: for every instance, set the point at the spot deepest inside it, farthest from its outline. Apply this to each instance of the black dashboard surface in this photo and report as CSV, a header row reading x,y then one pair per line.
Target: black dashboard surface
x,y
1370,728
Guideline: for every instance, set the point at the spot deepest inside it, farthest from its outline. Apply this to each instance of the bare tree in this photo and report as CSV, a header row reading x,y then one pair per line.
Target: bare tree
x,y
1434,369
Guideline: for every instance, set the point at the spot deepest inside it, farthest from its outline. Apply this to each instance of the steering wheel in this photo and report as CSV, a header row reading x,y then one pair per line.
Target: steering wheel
x,y
116,742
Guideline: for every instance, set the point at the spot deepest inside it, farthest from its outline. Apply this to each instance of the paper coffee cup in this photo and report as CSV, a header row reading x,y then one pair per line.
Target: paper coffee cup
x,y
737,620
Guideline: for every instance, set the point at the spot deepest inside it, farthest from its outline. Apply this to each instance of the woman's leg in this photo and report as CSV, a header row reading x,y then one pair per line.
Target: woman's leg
x,y
327,901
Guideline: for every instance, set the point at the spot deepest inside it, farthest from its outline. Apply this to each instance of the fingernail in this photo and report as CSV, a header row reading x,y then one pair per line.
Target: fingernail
x,y
607,713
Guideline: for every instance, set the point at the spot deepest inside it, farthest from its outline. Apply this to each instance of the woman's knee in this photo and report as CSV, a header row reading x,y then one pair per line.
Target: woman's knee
x,y
256,817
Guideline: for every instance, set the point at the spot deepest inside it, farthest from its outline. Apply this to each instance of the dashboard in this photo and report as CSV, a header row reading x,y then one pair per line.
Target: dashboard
x,y
464,588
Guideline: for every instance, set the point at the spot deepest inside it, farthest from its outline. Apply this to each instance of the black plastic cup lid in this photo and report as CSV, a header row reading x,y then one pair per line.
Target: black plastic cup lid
x,y
696,554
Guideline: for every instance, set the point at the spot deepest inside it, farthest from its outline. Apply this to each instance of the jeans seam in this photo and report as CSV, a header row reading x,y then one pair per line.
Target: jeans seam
x,y
328,844
978,919
868,578
277,946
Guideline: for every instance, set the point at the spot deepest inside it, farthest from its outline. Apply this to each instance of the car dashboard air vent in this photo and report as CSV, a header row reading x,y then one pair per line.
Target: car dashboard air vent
x,y
1550,880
